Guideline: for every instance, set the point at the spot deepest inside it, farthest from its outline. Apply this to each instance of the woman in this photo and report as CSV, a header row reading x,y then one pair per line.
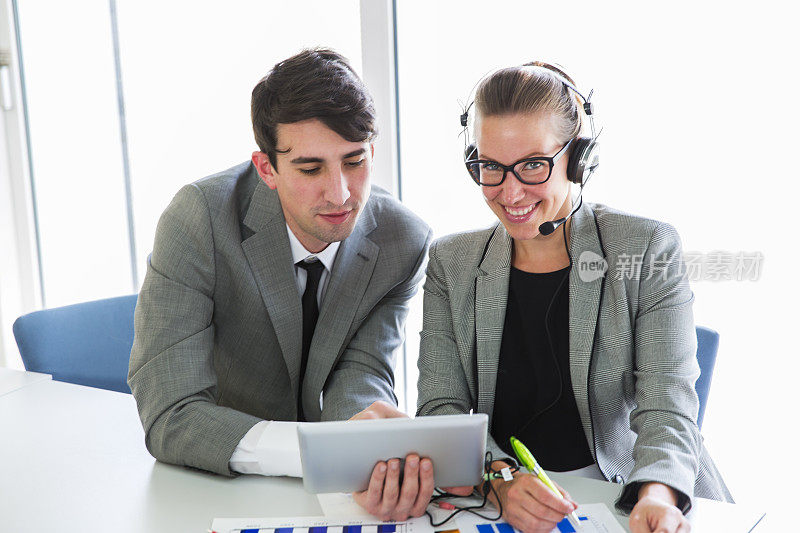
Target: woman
x,y
594,373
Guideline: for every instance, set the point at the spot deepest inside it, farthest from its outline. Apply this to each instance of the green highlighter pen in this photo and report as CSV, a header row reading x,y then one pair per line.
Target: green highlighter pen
x,y
526,458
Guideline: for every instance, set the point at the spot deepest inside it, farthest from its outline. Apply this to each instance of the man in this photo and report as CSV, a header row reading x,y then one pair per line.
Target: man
x,y
277,290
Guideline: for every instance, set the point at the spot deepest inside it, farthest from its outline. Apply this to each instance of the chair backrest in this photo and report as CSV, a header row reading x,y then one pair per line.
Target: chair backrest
x,y
707,344
88,343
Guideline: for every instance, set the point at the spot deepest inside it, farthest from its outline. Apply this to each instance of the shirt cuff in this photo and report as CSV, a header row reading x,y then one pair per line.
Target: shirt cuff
x,y
270,448
630,496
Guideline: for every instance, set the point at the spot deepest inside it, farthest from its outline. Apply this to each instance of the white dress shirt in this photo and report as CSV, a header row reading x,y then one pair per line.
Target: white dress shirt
x,y
271,448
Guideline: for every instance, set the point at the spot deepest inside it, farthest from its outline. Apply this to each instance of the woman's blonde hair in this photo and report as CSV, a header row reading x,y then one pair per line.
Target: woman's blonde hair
x,y
532,88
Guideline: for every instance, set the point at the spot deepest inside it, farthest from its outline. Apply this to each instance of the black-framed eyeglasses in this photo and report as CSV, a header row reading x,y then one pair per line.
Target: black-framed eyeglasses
x,y
530,170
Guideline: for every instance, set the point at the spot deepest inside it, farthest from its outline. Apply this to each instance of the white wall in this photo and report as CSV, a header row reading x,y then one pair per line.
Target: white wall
x,y
19,272
187,72
188,69
75,141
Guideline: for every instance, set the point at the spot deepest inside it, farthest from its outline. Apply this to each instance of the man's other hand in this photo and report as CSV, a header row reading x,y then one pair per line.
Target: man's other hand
x,y
386,497
379,409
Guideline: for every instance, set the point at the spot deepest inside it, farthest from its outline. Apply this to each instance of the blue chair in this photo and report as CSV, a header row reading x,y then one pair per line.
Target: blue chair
x,y
88,343
707,344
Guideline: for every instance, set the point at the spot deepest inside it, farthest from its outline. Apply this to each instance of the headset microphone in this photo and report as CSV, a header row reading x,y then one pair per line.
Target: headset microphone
x,y
550,226
546,228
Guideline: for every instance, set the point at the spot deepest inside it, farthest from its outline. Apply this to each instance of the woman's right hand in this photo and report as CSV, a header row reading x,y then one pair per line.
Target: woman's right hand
x,y
529,505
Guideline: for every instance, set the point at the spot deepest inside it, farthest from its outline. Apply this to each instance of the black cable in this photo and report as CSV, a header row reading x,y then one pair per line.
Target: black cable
x,y
487,466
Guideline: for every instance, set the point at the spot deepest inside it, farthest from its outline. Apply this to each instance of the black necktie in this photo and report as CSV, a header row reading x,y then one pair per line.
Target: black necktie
x,y
314,270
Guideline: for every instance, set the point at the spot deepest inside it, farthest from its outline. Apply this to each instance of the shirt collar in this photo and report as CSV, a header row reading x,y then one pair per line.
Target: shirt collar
x,y
299,252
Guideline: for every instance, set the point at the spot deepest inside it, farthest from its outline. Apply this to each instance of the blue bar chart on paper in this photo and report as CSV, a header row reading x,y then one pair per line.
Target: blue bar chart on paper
x,y
562,527
594,518
366,528
317,524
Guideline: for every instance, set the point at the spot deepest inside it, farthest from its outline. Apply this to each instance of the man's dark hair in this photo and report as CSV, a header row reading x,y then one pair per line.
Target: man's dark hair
x,y
317,83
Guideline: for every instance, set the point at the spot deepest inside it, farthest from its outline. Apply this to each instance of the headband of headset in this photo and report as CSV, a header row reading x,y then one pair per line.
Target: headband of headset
x,y
588,108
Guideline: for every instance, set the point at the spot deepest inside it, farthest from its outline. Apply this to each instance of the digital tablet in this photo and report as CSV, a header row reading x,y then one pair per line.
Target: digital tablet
x,y
340,456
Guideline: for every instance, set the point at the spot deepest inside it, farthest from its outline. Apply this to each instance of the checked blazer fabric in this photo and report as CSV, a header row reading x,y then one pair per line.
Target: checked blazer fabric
x,y
632,345
218,324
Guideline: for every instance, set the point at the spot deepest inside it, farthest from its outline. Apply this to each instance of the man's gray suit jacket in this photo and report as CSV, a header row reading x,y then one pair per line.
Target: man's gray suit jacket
x,y
218,324
632,345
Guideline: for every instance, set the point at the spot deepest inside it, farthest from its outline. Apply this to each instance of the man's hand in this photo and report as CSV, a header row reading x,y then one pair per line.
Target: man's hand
x,y
385,497
379,409
387,500
656,512
528,504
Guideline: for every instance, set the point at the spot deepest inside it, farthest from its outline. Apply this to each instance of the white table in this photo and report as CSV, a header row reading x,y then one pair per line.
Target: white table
x,y
11,380
72,458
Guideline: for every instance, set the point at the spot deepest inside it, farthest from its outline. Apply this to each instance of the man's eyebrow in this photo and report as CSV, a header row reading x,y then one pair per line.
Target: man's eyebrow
x,y
354,153
301,160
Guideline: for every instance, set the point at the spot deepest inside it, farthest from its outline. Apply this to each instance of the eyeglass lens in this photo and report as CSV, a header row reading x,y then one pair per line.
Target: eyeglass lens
x,y
529,171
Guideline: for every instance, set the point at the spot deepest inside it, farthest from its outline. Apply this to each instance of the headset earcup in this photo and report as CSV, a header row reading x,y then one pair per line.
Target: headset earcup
x,y
582,156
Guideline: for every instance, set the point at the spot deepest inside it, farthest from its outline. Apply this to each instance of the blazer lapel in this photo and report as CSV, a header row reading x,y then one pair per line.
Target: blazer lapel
x,y
352,271
584,306
270,258
491,296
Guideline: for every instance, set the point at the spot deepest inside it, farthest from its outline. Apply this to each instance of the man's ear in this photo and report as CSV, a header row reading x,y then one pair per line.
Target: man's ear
x,y
264,168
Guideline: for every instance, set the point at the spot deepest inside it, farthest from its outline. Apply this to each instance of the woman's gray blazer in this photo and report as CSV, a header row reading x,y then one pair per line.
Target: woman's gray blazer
x,y
631,335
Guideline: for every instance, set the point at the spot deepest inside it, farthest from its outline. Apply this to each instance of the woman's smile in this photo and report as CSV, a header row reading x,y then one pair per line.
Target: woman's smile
x,y
521,213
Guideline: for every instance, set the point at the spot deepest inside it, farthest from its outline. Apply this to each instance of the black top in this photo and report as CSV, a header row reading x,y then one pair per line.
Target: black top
x,y
534,401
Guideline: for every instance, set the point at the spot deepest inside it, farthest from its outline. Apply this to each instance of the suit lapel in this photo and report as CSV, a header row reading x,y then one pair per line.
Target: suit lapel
x,y
491,295
352,271
584,306
270,258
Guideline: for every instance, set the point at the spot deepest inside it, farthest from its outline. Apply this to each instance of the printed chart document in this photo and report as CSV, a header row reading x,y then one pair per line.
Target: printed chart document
x,y
594,517
318,524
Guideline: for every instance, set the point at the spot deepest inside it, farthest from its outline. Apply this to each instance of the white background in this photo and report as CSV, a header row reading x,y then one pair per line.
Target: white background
x,y
697,104
188,68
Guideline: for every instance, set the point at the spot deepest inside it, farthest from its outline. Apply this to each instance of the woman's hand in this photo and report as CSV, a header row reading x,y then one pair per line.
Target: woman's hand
x,y
528,504
656,511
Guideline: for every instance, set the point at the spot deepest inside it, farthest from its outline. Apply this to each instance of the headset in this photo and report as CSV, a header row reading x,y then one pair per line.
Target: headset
x,y
584,157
